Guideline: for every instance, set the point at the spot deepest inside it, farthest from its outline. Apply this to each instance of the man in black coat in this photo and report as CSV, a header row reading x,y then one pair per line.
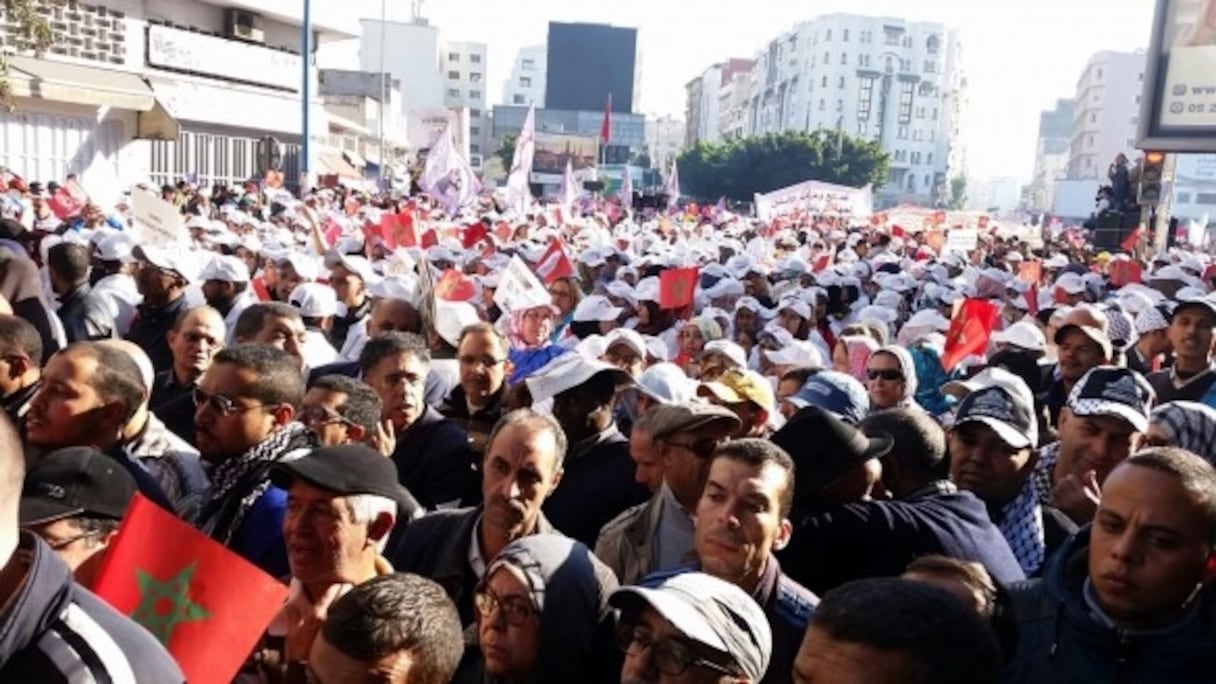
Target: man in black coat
x,y
598,483
928,515
84,315
162,281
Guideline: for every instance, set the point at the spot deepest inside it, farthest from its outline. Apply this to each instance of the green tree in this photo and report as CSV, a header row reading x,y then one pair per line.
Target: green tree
x,y
740,168
506,152
32,34
958,192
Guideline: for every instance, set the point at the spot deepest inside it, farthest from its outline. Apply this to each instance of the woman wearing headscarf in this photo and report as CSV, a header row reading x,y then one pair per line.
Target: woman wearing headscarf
x,y
694,335
891,378
1185,424
542,617
566,295
528,331
852,353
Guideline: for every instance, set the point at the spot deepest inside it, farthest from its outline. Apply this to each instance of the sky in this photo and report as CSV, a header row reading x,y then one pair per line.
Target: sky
x,y
1018,57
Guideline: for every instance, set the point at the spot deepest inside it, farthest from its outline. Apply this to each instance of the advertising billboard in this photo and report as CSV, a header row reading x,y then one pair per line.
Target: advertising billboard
x,y
586,62
554,149
1178,107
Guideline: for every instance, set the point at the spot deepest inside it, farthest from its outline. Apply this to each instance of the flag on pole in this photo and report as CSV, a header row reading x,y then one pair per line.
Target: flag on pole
x,y
626,195
568,194
206,604
448,177
554,264
606,125
673,187
518,192
1132,241
969,331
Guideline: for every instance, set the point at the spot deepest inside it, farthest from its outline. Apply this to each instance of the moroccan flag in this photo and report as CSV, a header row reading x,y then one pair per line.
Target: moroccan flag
x,y
898,231
206,604
473,234
677,287
1130,243
429,239
502,231
554,264
453,286
606,124
1124,272
822,262
333,231
969,331
64,205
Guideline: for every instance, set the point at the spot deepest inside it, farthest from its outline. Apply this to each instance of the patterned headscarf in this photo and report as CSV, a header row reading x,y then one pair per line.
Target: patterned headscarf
x,y
858,348
1189,425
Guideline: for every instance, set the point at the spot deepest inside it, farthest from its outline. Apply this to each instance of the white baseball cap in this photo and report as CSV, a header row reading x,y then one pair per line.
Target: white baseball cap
x,y
728,349
228,269
117,247
667,383
800,354
569,371
314,300
630,338
596,308
1024,335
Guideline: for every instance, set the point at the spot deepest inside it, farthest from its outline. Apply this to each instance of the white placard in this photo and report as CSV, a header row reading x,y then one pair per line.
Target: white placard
x,y
961,239
520,288
157,222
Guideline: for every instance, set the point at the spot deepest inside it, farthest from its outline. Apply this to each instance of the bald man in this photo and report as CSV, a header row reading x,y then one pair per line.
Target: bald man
x,y
194,338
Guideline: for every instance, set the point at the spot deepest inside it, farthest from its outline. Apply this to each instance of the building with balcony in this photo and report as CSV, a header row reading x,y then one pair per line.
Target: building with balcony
x,y
885,79
703,100
1105,113
162,89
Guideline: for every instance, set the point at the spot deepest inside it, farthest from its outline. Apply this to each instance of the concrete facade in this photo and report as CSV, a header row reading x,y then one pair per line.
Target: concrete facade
x,y
1106,113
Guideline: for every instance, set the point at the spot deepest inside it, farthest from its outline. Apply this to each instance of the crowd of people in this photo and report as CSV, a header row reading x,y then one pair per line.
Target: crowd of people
x,y
789,479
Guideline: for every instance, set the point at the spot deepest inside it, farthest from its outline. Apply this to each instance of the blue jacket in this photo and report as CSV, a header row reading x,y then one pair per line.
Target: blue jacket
x,y
879,538
1060,639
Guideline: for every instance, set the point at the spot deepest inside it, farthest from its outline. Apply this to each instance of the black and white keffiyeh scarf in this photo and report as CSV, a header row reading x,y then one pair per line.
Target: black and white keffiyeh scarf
x,y
1022,526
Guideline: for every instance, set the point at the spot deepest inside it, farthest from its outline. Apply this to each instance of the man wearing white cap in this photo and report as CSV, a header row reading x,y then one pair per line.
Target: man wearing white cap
x,y
317,305
1152,340
111,275
226,289
294,269
164,275
350,278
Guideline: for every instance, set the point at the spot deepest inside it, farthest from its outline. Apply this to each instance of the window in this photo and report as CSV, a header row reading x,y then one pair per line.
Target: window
x,y
839,105
453,92
930,66
920,112
902,133
474,149
845,37
454,57
525,82
474,130
905,65
517,99
865,98
827,58
844,58
905,102
840,83
828,38
474,77
916,134
475,59
527,64
824,83
933,45
474,113
1205,198
929,158
475,94
928,180
453,75
822,104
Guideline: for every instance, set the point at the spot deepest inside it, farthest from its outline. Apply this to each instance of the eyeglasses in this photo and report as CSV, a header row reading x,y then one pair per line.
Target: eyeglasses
x,y
225,406
59,544
670,656
703,448
486,362
559,293
890,374
514,609
313,416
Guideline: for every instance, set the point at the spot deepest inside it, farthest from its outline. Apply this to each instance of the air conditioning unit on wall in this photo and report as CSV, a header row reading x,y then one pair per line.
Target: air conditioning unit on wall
x,y
243,24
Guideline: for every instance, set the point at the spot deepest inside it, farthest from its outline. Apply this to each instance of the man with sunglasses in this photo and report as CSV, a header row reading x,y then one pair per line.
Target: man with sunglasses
x,y
658,534
691,628
244,422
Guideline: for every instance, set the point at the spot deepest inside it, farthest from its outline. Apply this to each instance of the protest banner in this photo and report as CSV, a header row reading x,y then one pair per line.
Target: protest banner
x,y
520,288
157,223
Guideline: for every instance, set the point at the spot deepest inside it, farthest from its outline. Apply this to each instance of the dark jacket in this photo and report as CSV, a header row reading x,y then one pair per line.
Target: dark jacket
x,y
21,286
84,315
165,389
1200,388
150,330
178,415
54,630
879,538
436,546
597,485
434,461
479,423
1061,639
144,480
436,387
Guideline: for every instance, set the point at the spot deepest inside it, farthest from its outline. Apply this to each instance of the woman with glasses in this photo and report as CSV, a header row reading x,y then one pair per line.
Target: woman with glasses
x,y
891,378
565,295
542,616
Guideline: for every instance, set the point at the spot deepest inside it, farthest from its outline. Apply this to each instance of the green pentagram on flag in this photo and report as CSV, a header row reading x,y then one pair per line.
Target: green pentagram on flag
x,y
165,605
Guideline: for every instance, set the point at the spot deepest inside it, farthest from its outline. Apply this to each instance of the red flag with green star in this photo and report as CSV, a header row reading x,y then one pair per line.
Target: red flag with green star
x,y
206,604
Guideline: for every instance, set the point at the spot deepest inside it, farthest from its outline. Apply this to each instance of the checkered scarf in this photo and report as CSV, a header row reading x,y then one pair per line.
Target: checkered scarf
x,y
1022,525
1040,479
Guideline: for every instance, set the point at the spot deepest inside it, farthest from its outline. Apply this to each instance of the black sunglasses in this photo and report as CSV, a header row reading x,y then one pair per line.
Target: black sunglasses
x,y
891,374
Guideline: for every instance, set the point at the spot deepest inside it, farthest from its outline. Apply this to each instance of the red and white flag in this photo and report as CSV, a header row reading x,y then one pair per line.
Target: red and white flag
x,y
554,264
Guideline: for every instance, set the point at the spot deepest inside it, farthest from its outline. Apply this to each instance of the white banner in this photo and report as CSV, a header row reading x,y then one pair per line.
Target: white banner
x,y
520,288
157,222
815,197
961,240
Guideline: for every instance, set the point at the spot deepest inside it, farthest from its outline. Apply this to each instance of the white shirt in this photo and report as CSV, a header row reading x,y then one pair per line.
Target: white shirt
x,y
122,297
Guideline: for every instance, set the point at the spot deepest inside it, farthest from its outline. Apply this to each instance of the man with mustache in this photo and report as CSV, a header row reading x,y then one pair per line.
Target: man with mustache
x,y
521,467
740,520
434,461
1128,597
1193,375
480,398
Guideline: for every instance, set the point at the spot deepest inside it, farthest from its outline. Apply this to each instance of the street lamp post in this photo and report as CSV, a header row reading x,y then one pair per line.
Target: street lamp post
x,y
305,58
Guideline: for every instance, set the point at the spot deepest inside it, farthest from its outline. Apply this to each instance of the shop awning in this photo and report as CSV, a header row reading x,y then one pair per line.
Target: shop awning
x,y
354,159
43,79
332,164
255,112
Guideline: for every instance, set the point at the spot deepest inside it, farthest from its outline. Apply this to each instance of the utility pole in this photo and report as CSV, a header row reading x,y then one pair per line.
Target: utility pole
x,y
385,88
305,94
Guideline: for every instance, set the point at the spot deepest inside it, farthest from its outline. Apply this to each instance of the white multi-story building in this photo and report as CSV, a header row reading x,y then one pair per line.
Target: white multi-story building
x,y
664,140
890,80
997,196
1106,113
703,97
527,83
1051,155
162,89
464,71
